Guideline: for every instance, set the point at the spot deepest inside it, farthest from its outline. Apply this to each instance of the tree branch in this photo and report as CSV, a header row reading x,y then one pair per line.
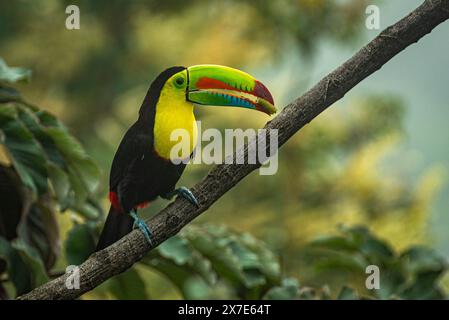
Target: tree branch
x,y
130,249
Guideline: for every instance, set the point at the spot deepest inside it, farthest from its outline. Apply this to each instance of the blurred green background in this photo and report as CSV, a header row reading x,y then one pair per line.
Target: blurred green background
x,y
377,158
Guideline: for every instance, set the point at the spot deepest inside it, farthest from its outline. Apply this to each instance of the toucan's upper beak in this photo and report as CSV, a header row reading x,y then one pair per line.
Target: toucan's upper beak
x,y
223,86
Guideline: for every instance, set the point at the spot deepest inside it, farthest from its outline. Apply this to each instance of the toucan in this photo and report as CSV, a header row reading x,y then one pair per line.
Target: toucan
x,y
143,167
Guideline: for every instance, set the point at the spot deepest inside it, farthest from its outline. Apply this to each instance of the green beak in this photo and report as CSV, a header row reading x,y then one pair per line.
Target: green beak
x,y
223,86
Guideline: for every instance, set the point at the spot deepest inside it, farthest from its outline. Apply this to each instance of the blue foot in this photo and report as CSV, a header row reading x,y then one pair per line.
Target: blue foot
x,y
139,223
185,193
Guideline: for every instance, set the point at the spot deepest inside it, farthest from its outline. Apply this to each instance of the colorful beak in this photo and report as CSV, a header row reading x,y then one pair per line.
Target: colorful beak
x,y
216,85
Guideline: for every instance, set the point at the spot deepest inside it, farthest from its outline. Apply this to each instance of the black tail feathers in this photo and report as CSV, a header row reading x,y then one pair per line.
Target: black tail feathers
x,y
117,225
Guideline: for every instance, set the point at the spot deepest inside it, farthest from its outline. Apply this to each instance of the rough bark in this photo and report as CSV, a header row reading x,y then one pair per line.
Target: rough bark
x,y
130,249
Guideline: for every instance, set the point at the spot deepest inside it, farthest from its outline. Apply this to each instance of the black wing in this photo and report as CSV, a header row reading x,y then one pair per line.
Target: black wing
x,y
134,145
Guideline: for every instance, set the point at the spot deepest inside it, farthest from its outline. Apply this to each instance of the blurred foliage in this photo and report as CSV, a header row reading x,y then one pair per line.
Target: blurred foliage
x,y
94,64
201,256
214,262
201,259
43,170
413,274
347,167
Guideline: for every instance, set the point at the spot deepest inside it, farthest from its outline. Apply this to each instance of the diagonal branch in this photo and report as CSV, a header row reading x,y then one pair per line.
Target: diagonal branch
x,y
130,249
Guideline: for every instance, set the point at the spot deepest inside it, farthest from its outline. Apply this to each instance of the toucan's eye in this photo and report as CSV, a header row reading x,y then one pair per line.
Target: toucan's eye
x,y
179,81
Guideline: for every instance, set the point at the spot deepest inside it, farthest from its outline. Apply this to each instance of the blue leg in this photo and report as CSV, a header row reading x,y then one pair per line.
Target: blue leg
x,y
183,192
139,223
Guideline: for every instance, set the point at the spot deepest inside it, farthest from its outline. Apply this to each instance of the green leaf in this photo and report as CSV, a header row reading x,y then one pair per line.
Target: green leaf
x,y
368,244
375,248
26,153
201,253
347,293
393,278
335,243
89,173
80,244
421,259
80,193
176,249
178,275
268,262
61,184
18,271
49,120
246,262
8,94
33,261
42,150
5,248
425,267
13,74
195,289
288,290
32,122
41,230
180,262
79,162
425,287
342,261
250,264
224,261
128,286
87,210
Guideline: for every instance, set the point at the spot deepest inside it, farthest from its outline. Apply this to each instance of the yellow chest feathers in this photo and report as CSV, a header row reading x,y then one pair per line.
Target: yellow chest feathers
x,y
174,125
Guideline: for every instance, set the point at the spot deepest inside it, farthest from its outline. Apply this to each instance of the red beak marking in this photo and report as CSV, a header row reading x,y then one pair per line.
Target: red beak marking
x,y
261,91
209,83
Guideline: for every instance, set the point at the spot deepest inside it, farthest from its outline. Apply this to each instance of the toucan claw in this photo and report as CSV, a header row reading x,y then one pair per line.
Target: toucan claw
x,y
185,193
139,223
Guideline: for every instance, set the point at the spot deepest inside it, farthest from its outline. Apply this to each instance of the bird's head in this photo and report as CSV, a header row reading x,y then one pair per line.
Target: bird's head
x,y
214,85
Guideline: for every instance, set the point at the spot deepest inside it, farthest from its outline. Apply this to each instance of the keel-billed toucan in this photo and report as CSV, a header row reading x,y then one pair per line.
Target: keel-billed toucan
x,y
142,168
